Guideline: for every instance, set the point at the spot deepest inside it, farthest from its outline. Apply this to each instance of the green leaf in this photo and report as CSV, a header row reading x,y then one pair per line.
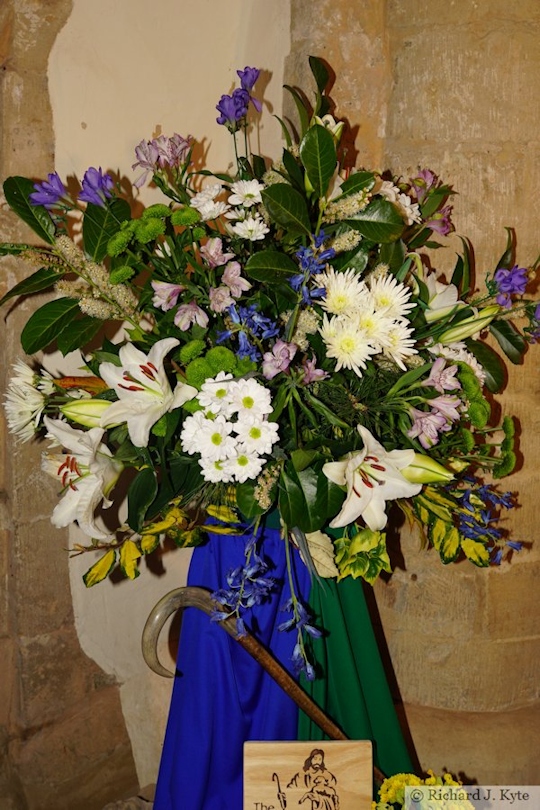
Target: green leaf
x,y
13,248
81,331
40,280
101,569
17,191
509,339
379,221
408,379
490,362
141,493
357,182
285,131
476,552
461,277
293,169
246,502
100,223
129,555
318,155
301,108
270,266
47,324
507,260
320,73
287,208
307,498
445,539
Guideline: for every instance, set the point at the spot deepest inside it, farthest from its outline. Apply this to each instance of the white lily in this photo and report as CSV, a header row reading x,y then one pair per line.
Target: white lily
x,y
87,473
372,477
143,389
443,299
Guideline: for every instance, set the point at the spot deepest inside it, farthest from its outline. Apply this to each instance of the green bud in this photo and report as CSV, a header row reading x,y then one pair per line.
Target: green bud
x,y
425,470
87,411
470,326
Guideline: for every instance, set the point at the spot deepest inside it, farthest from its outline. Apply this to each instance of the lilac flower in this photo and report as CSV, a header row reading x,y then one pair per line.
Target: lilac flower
x,y
232,278
311,372
212,253
248,77
49,192
279,359
165,294
427,426
147,155
510,282
537,313
447,406
421,184
441,378
96,187
220,298
189,314
172,151
440,222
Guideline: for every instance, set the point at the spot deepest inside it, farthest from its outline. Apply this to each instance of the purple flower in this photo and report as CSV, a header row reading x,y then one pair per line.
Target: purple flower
x,y
220,298
96,187
49,192
147,156
172,151
279,359
248,77
441,378
440,221
165,294
311,372
212,253
188,314
427,426
234,281
537,313
233,108
510,282
447,406
421,184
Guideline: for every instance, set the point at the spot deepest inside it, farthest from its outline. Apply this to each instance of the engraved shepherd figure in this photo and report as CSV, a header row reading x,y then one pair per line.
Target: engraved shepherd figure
x,y
319,781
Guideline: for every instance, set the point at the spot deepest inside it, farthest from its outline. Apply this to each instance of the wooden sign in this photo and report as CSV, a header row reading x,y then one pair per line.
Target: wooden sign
x,y
333,775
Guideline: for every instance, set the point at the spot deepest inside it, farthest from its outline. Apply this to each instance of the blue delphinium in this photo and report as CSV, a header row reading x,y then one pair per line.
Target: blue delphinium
x,y
96,187
250,326
312,263
49,192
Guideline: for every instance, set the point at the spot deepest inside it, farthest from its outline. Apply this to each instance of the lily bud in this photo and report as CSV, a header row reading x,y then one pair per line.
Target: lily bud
x,y
87,411
333,126
425,470
470,326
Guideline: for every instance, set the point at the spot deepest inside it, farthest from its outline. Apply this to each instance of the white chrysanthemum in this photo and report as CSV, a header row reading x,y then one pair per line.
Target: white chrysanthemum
x,y
248,397
214,393
246,193
458,351
252,228
244,465
215,471
256,435
214,441
211,209
23,403
390,296
191,431
345,292
409,211
346,344
373,325
399,343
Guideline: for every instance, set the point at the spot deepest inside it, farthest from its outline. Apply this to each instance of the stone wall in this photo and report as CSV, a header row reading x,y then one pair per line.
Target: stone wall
x,y
453,86
63,742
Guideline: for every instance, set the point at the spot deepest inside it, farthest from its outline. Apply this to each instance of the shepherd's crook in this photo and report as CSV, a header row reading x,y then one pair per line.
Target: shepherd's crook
x,y
201,598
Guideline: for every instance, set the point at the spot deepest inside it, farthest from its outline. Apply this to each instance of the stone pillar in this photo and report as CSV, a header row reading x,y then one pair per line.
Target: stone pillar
x,y
62,734
454,86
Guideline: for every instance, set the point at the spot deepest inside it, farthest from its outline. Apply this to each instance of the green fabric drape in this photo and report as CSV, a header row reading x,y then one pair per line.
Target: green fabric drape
x,y
353,689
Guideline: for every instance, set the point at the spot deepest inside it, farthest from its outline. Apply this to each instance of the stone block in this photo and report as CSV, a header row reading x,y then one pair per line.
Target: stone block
x,y
440,15
513,602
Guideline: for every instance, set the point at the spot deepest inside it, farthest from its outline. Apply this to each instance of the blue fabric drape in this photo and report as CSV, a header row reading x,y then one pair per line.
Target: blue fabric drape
x,y
221,696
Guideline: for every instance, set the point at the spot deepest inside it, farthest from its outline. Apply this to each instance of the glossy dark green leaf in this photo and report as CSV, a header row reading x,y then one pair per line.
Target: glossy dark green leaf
x,y
246,502
141,493
379,221
47,323
307,498
318,156
490,362
301,108
100,223
287,208
461,277
17,191
509,339
270,266
79,334
293,169
40,280
507,260
357,182
320,73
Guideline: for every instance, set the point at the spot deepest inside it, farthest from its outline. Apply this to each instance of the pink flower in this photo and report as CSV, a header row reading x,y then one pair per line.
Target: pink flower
x,y
311,373
165,294
427,426
220,298
279,359
441,378
213,254
448,406
188,314
231,277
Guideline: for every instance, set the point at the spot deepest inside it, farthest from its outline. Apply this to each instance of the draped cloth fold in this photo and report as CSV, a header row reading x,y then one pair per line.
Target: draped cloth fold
x,y
222,697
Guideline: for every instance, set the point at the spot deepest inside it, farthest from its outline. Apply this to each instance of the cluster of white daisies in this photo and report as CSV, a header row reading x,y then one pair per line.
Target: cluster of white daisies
x,y
231,432
246,222
363,319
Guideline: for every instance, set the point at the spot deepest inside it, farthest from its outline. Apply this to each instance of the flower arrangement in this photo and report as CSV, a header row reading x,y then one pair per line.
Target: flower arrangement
x,y
391,793
281,343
